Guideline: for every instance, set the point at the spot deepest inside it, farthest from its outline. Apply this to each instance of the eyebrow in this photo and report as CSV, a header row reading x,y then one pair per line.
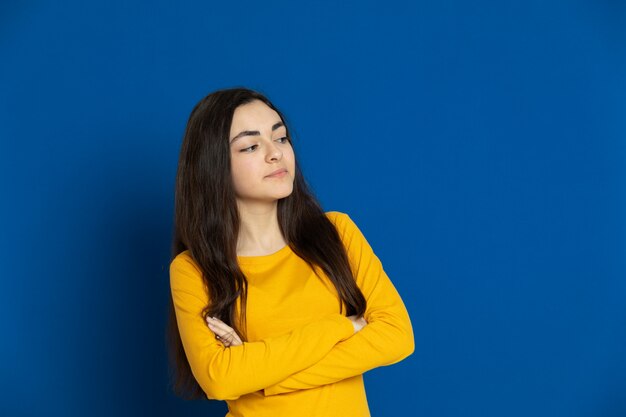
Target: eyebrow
x,y
255,132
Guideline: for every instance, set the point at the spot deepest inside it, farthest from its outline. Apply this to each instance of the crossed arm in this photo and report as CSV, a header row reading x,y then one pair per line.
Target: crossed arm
x,y
319,353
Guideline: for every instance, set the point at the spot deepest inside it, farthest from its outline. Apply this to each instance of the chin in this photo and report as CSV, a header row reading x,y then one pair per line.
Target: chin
x,y
287,193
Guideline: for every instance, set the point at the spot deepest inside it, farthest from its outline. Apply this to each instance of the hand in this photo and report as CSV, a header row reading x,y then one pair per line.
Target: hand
x,y
223,332
357,322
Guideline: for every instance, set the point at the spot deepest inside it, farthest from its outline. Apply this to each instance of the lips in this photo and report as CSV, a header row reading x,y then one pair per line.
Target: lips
x,y
278,171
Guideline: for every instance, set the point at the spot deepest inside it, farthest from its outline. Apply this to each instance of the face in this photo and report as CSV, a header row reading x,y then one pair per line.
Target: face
x,y
258,147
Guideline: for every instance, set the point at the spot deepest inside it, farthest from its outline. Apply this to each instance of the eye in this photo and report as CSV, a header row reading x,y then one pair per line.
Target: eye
x,y
248,149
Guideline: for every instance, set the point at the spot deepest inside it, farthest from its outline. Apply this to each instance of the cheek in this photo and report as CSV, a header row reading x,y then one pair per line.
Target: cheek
x,y
242,171
290,157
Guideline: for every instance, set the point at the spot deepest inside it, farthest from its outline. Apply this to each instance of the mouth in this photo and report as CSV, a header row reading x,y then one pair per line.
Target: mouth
x,y
278,172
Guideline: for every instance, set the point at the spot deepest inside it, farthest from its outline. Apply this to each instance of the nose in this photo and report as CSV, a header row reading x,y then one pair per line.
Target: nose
x,y
273,152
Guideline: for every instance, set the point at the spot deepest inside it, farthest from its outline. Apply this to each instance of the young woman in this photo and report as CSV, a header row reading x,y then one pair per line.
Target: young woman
x,y
278,307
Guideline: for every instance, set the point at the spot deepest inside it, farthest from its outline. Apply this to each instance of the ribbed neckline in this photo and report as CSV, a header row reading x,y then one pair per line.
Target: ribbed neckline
x,y
264,259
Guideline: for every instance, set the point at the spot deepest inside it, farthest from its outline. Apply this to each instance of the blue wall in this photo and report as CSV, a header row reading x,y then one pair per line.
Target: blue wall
x,y
480,146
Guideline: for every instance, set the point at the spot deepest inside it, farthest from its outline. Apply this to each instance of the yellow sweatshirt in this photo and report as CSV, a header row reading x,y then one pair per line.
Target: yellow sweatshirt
x,y
303,357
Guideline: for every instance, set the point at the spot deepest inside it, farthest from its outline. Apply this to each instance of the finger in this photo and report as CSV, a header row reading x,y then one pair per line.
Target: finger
x,y
219,324
226,343
235,339
231,338
218,332
226,332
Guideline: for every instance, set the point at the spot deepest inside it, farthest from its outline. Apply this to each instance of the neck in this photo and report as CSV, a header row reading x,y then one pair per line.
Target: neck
x,y
259,232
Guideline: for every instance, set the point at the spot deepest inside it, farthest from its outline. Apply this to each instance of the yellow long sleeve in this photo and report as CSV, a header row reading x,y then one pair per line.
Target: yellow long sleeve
x,y
299,344
228,373
385,340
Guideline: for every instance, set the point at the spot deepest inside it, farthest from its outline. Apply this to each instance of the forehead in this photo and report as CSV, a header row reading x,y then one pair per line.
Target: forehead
x,y
255,115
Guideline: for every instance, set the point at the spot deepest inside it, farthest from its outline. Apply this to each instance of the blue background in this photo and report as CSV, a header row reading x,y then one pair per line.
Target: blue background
x,y
480,147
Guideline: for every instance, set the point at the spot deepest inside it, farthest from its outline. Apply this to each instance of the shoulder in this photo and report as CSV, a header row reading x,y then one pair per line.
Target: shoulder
x,y
183,260
342,221
186,278
336,217
184,267
357,246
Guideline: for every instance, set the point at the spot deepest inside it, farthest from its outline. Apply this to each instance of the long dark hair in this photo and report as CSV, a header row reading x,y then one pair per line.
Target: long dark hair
x,y
206,222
